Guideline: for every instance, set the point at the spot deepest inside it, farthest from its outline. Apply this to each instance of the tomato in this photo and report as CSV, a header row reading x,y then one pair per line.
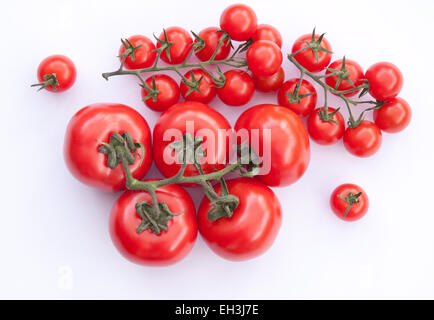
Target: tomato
x,y
212,36
393,116
168,92
269,83
287,154
264,58
385,81
144,55
239,21
181,45
270,33
207,87
307,57
253,226
146,247
353,71
364,140
56,73
238,88
325,132
93,125
349,202
306,104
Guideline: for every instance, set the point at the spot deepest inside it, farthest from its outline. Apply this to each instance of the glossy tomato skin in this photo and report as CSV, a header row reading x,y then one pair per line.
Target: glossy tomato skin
x,y
144,56
355,73
270,33
168,96
307,58
394,116
91,126
253,226
306,105
339,205
239,21
264,58
287,155
325,132
181,45
147,248
212,36
64,69
364,140
269,83
238,88
385,81
207,88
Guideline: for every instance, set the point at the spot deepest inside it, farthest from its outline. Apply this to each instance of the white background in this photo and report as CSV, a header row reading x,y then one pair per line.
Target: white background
x,y
53,227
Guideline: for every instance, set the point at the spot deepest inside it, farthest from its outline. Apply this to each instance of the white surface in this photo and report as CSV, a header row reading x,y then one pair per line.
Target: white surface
x,y
51,226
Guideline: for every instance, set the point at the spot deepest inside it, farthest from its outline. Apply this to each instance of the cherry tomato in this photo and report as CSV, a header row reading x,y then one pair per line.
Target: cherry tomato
x,y
62,68
264,58
181,45
212,36
306,104
93,125
207,87
267,32
286,153
349,202
269,83
394,116
253,226
385,81
325,132
307,58
238,88
146,247
144,56
168,92
364,140
239,21
355,74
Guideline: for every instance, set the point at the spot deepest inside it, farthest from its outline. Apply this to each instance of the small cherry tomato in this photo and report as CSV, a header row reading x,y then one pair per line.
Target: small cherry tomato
x,y
264,58
326,132
303,103
363,140
393,116
269,83
144,55
238,88
349,202
181,45
56,73
207,87
352,70
168,92
270,33
385,81
239,21
307,57
212,36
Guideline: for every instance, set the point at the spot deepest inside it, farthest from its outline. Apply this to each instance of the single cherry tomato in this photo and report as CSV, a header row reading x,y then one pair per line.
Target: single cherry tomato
x,y
212,36
238,88
168,92
92,126
146,247
144,55
307,57
270,33
349,202
181,45
326,132
56,73
281,141
239,21
269,83
385,81
207,87
264,58
253,226
393,116
303,103
352,70
363,140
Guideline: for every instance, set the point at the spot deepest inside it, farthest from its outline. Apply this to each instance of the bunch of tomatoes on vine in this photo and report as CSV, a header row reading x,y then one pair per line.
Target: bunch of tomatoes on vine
x,y
110,146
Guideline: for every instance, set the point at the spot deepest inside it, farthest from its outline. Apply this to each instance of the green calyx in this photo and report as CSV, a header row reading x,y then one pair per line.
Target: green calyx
x,y
315,45
130,49
155,220
224,206
152,92
121,148
342,74
165,45
193,83
49,80
350,199
326,116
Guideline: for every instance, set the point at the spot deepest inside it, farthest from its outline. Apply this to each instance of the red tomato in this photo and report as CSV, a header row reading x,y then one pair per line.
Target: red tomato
x,y
307,58
93,125
264,58
211,36
267,32
146,247
253,226
325,132
144,56
306,104
62,67
239,21
169,92
207,87
394,116
238,88
287,155
269,83
385,81
181,45
354,73
364,140
347,204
